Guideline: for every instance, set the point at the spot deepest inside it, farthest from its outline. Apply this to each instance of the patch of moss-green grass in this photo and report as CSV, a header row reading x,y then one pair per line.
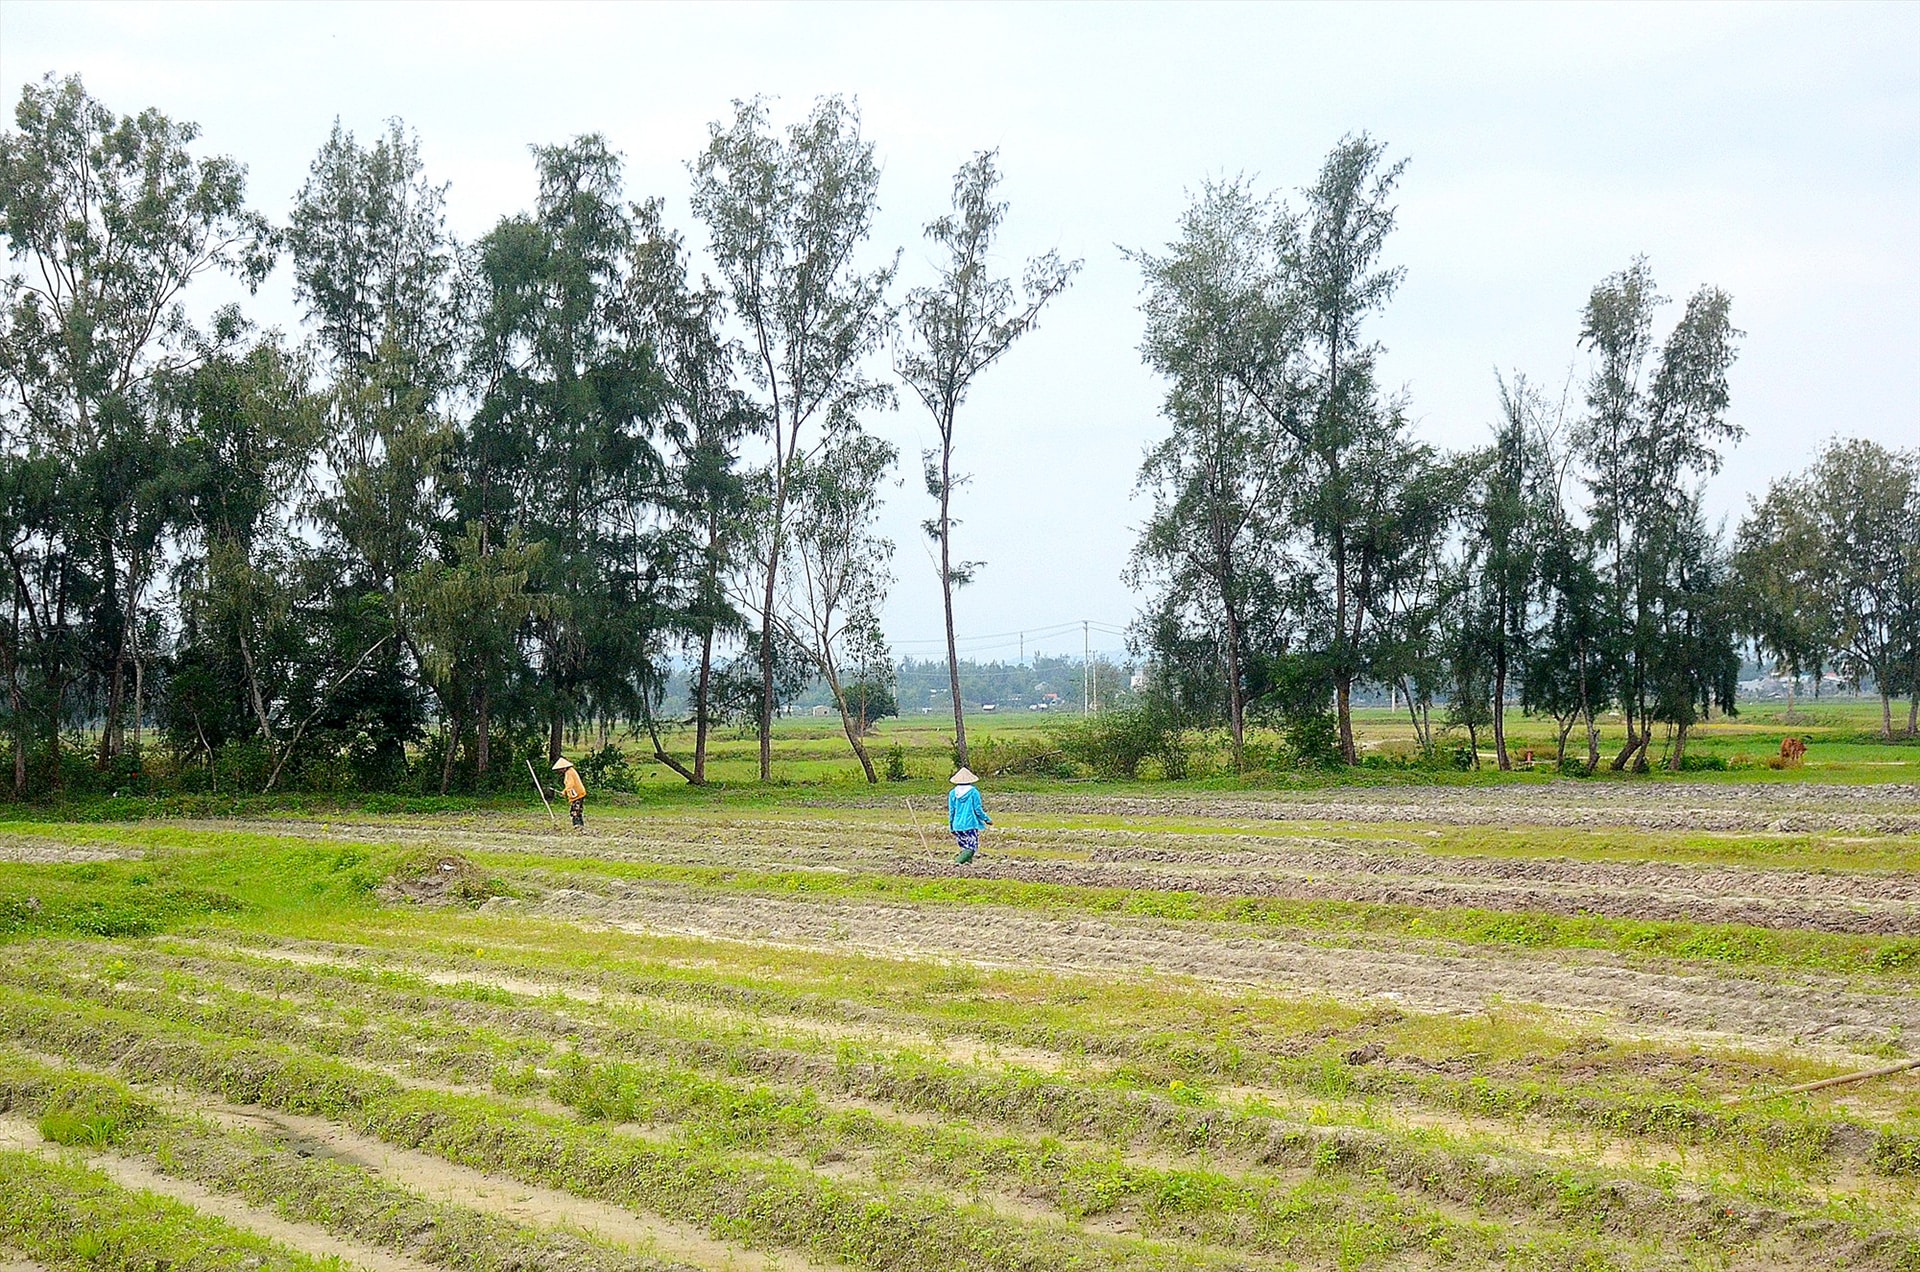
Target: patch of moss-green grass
x,y
747,1199
1152,1029
91,1110
1192,1042
768,1201
186,877
71,1218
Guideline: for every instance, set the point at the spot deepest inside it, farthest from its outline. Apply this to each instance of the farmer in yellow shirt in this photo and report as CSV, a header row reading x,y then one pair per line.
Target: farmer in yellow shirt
x,y
575,789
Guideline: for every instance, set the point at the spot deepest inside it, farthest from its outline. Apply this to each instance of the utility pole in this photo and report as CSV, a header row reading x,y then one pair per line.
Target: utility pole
x,y
1086,662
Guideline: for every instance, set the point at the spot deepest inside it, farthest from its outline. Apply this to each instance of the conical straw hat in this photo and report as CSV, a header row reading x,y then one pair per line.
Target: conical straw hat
x,y
964,777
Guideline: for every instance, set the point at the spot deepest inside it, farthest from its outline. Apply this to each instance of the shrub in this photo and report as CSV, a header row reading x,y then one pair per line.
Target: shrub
x,y
896,763
992,756
607,770
1115,743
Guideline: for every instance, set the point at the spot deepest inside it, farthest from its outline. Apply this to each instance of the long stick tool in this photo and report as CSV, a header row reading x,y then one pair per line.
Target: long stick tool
x,y
543,795
916,825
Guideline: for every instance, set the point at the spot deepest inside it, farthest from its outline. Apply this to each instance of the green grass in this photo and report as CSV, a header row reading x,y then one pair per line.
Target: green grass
x,y
71,1218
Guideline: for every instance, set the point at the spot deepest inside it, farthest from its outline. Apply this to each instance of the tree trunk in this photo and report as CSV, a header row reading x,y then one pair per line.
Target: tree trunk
x,y
1886,713
659,751
766,681
555,737
1793,682
700,708
852,729
1560,743
946,596
1500,710
483,732
1236,709
453,745
1677,761
1913,712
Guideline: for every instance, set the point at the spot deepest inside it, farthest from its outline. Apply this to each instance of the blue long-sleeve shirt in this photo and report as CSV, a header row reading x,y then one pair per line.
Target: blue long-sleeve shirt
x,y
964,809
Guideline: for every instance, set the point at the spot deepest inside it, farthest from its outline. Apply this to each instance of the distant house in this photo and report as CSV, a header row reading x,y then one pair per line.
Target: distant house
x,y
989,706
822,712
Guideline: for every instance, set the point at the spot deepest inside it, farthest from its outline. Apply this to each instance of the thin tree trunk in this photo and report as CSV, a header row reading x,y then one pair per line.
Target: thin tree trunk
x,y
946,595
659,751
852,729
1236,709
1886,713
1913,712
1500,710
483,731
446,762
700,708
1560,743
556,737
766,675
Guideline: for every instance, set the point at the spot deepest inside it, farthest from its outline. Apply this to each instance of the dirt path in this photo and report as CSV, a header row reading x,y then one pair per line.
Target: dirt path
x,y
307,1238
1604,989
510,1199
36,850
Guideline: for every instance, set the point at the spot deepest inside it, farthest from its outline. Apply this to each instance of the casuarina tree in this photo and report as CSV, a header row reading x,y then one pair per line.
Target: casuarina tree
x,y
786,213
956,329
112,218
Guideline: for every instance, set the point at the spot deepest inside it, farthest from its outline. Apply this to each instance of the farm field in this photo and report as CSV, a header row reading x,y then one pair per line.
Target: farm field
x,y
1534,1024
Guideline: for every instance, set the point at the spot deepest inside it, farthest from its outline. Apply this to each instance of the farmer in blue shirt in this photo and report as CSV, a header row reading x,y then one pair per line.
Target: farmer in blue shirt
x,y
966,815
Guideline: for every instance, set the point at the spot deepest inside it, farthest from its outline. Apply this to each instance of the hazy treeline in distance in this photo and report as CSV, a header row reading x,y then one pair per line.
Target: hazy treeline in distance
x,y
493,494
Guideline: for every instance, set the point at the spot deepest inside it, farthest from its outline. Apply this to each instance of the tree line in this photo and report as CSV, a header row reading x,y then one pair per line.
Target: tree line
x,y
491,492
1303,541
490,495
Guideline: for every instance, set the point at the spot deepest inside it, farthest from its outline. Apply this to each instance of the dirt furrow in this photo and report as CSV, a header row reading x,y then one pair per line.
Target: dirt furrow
x,y
1640,997
527,1204
1665,894
307,1238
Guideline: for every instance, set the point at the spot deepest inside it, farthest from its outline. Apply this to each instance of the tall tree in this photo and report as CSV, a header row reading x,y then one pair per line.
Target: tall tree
x,y
1778,567
1213,544
706,416
377,273
1355,447
832,600
112,217
1860,495
956,329
1646,448
563,446
786,213
1508,512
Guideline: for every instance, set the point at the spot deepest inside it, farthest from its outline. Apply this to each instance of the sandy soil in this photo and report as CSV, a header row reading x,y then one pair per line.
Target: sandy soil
x,y
308,1238
34,850
1889,809
1605,989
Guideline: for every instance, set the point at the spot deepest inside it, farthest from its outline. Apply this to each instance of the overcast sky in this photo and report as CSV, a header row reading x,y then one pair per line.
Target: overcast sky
x,y
1771,150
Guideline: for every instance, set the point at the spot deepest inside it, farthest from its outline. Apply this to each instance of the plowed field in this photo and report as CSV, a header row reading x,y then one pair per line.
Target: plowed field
x,y
1550,1027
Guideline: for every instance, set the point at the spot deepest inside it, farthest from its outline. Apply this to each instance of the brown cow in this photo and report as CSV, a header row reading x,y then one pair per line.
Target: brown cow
x,y
1792,750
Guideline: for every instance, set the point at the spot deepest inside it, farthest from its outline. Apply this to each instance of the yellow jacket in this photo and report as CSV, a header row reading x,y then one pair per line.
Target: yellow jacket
x,y
572,785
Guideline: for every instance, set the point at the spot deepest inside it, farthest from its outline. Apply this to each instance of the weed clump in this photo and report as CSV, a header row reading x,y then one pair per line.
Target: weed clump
x,y
430,878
